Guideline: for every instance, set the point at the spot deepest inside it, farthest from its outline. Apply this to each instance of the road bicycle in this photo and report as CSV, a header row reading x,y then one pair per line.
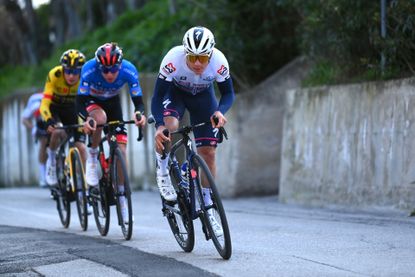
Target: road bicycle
x,y
71,180
113,173
190,203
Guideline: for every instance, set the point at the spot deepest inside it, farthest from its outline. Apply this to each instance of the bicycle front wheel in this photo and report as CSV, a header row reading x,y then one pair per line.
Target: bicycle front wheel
x,y
179,219
63,203
100,200
221,240
80,188
121,185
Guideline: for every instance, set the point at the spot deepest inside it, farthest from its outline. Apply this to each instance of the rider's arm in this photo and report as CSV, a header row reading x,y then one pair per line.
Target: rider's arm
x,y
136,92
160,89
227,95
47,99
83,95
81,101
138,104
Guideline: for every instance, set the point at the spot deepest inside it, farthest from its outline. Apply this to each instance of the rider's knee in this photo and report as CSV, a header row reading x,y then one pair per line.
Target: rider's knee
x,y
99,115
207,152
171,123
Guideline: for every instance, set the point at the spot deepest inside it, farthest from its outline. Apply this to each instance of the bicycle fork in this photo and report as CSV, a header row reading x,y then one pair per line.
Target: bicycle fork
x,y
196,196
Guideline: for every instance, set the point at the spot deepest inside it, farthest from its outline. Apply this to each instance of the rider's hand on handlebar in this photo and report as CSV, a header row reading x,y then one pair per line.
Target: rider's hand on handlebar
x,y
88,128
51,125
221,120
160,138
139,119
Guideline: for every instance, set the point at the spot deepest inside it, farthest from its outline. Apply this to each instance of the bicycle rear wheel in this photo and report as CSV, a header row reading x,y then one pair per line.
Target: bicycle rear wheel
x,y
178,217
222,242
80,189
119,176
63,202
99,198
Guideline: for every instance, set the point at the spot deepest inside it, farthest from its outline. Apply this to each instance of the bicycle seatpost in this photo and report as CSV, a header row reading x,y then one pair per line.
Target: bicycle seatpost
x,y
140,129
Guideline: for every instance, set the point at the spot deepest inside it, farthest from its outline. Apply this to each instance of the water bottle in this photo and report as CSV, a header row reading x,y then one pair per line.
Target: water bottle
x,y
183,172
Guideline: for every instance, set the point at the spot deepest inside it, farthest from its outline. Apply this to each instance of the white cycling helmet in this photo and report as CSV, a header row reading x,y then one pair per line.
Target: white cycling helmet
x,y
199,41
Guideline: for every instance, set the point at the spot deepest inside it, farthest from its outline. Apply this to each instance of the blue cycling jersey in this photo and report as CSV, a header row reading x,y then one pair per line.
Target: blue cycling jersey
x,y
93,83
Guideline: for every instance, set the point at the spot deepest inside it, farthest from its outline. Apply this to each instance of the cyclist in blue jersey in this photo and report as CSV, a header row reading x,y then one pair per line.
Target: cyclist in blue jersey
x,y
185,81
98,99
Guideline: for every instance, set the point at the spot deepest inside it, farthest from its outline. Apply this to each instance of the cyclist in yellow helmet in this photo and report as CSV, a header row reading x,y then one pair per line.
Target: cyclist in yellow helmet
x,y
58,106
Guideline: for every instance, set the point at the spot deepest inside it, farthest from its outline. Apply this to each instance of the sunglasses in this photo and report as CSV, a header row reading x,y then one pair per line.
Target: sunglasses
x,y
112,69
73,71
202,58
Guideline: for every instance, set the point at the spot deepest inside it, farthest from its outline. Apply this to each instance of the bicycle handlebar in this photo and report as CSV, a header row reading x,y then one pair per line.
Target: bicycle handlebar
x,y
111,123
188,129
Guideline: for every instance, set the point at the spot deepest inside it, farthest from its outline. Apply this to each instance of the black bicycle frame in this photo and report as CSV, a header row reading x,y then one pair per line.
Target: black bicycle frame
x,y
185,142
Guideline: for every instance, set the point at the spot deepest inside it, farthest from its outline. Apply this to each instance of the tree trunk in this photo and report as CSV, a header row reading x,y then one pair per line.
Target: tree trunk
x,y
58,22
31,35
73,21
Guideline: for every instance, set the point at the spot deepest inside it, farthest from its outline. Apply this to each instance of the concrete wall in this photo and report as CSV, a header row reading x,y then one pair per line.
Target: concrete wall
x,y
249,162
350,145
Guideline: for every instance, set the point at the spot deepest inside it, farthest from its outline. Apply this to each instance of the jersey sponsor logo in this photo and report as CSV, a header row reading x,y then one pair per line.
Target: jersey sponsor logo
x,y
130,72
169,68
208,78
134,85
166,103
197,34
215,132
223,70
85,84
65,90
136,92
82,90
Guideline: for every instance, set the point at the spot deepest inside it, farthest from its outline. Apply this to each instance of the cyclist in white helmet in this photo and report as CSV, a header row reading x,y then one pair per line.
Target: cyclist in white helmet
x,y
185,81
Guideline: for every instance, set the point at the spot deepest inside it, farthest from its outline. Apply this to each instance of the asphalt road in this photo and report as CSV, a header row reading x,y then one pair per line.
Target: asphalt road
x,y
269,239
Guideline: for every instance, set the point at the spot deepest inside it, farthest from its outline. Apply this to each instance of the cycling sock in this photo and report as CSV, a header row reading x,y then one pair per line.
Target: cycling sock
x,y
121,188
162,164
206,196
121,197
51,155
42,172
93,153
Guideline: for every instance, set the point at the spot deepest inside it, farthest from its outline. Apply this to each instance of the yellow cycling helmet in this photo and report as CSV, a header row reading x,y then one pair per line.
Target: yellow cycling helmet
x,y
72,58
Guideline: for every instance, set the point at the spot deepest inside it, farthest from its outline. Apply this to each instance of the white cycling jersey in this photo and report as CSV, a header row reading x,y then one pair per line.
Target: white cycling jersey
x,y
174,69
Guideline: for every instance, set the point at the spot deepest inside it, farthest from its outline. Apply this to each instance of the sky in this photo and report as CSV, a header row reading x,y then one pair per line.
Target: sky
x,y
37,3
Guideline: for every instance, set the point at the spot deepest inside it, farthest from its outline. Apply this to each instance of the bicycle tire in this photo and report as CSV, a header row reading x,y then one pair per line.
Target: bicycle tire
x,y
100,201
80,188
223,243
179,219
63,202
119,165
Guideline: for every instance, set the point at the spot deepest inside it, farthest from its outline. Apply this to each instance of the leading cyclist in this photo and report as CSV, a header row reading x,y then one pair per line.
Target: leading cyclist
x,y
98,99
185,81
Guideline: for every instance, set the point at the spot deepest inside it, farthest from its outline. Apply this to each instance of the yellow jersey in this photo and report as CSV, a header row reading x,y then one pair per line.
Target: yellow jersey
x,y
57,91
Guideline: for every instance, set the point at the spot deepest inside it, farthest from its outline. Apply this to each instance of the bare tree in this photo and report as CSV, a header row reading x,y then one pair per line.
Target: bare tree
x,y
31,42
